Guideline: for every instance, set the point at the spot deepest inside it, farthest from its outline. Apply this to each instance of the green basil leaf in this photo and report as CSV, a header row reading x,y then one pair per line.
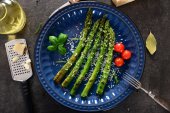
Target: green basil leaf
x,y
61,49
151,43
62,38
52,48
53,40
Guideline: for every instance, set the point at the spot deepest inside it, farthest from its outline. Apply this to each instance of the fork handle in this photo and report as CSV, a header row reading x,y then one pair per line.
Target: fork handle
x,y
165,104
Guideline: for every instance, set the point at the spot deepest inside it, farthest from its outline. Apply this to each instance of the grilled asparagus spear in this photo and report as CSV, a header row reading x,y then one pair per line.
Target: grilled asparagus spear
x,y
106,71
98,64
89,59
78,64
59,76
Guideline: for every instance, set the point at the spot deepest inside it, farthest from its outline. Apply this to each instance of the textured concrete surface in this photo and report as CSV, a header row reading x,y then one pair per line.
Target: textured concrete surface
x,y
148,15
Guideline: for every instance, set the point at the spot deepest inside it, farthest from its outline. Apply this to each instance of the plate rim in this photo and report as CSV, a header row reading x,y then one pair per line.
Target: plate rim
x,y
45,86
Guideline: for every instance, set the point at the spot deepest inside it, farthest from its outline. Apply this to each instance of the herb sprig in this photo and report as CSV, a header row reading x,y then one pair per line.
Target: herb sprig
x,y
57,43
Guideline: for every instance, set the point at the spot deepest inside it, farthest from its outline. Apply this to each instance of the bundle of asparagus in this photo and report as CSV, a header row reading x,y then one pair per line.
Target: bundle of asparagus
x,y
99,62
60,75
100,28
90,58
69,78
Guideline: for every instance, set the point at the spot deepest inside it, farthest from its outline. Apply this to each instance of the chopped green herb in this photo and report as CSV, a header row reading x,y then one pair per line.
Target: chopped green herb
x,y
38,28
116,79
75,38
61,61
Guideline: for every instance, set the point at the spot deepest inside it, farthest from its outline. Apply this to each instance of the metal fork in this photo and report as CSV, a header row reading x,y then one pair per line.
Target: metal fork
x,y
137,84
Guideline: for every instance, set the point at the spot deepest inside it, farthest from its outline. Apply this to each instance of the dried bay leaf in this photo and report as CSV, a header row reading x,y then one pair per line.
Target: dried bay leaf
x,y
151,43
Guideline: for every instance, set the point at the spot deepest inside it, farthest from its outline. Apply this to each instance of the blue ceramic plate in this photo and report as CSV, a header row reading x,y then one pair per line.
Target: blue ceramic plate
x,y
70,20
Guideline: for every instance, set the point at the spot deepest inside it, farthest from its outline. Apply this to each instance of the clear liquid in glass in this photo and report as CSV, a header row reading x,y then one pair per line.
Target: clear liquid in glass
x,y
12,17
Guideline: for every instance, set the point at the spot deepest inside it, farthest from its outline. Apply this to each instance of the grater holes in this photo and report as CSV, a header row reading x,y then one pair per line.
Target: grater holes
x,y
11,46
16,64
18,67
19,72
21,60
11,54
16,73
23,72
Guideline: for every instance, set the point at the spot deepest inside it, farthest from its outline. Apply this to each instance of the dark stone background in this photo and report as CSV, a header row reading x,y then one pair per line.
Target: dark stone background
x,y
148,15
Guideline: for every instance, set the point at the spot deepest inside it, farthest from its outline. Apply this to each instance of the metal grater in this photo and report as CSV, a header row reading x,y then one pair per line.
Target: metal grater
x,y
18,71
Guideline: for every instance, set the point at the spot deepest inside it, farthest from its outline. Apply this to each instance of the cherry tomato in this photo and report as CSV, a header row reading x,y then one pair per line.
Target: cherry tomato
x,y
126,54
119,47
119,62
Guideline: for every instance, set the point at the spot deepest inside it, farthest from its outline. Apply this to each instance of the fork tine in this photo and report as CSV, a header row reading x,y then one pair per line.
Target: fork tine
x,y
132,78
130,82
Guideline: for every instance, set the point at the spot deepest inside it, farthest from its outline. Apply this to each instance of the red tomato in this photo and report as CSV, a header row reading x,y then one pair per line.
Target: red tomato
x,y
126,54
119,47
119,62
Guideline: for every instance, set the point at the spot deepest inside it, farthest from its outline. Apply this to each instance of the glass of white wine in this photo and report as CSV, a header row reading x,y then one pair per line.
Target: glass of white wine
x,y
12,17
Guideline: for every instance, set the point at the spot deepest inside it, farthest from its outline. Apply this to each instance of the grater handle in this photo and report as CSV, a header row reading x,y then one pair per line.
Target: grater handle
x,y
27,97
